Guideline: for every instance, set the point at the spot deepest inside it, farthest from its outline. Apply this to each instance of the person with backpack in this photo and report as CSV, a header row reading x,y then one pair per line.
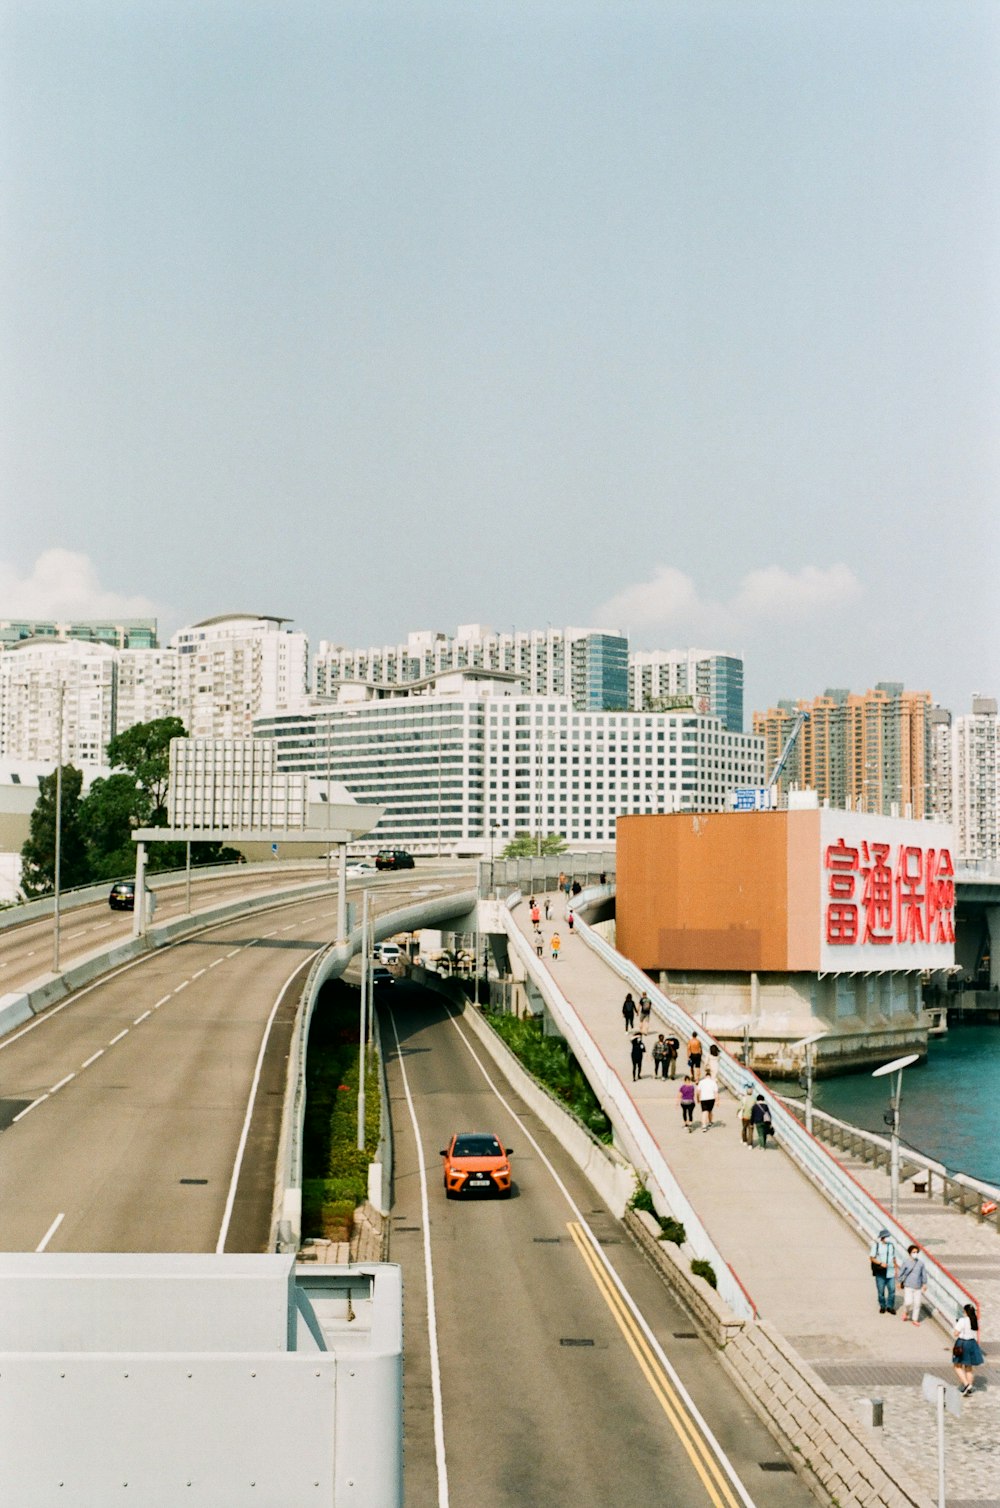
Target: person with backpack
x,y
760,1116
628,1011
638,1052
673,1052
883,1263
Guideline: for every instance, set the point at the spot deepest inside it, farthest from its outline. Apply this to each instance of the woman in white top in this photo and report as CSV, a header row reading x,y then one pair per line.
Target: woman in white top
x,y
708,1092
966,1353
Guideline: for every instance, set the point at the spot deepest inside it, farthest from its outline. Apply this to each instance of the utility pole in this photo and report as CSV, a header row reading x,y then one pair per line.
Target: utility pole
x,y
57,876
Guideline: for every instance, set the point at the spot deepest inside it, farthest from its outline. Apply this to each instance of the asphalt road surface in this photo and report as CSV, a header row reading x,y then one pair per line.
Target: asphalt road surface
x,y
142,1114
543,1370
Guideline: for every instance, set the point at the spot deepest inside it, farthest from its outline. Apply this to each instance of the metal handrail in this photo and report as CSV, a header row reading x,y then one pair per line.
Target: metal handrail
x,y
616,1102
861,1209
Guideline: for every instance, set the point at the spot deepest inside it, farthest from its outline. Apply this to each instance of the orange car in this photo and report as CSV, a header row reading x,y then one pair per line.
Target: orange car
x,y
476,1163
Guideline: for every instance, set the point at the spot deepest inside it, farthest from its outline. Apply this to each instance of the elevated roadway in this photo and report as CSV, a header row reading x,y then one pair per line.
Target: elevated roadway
x,y
142,1113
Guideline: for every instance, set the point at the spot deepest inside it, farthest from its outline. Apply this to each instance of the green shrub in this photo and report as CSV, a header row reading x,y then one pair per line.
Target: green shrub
x,y
335,1169
549,1060
673,1230
703,1269
642,1199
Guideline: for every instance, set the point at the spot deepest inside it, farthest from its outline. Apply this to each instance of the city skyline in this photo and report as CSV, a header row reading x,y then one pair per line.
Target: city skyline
x,y
409,317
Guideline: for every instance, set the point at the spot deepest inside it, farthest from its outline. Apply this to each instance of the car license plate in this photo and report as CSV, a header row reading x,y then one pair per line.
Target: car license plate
x,y
479,1183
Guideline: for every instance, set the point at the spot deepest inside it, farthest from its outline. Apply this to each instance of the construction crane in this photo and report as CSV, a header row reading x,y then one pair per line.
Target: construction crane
x,y
764,798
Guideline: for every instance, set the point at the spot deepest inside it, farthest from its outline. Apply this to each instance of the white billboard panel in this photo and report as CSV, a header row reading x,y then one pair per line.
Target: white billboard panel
x,y
887,887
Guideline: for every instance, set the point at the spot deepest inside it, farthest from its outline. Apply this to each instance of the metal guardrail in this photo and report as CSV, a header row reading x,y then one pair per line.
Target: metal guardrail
x,y
944,1292
620,1108
970,1195
542,873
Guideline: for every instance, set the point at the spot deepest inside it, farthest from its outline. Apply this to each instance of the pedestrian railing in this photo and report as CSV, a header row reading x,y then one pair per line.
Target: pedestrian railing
x,y
944,1293
537,875
644,1152
970,1195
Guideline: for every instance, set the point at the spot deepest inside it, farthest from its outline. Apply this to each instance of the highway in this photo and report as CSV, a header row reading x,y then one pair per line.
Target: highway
x,y
545,1374
142,1113
26,949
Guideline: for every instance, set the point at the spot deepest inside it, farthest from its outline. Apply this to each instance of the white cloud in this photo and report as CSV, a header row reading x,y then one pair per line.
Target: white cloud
x,y
670,600
63,584
776,593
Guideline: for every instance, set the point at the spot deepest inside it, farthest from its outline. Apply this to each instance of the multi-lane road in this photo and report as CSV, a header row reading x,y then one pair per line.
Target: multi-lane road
x,y
544,1360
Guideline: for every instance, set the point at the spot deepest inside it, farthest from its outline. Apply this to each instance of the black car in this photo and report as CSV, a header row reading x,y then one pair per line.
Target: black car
x,y
122,897
393,858
381,977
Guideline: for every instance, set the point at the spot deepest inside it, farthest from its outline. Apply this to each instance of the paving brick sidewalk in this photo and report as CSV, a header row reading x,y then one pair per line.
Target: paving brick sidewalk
x,y
804,1267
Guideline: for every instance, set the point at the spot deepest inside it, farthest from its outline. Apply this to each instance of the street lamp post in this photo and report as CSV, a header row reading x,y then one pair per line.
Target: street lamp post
x,y
493,827
892,1118
809,1043
57,864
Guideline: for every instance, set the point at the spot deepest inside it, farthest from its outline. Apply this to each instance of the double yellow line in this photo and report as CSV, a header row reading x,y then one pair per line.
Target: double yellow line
x,y
699,1452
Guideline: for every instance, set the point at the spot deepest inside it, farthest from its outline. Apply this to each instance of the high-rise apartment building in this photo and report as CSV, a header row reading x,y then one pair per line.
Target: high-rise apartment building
x,y
234,668
128,633
57,687
966,758
713,681
588,665
463,755
869,752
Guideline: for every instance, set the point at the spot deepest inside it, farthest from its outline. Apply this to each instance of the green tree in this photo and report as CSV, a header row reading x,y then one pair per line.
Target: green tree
x,y
144,751
108,813
528,845
38,856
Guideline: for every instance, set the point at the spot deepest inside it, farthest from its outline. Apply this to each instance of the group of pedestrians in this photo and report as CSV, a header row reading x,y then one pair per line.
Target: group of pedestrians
x,y
911,1274
555,941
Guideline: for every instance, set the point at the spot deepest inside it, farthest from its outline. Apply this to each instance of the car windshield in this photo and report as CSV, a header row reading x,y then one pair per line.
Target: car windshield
x,y
477,1146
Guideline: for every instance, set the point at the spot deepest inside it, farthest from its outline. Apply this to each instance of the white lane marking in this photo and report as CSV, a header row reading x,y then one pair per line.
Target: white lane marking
x,y
118,1038
93,1058
31,954
220,1245
215,963
439,1452
28,1108
627,1298
162,1001
182,986
142,1017
234,952
56,1087
43,1243
198,974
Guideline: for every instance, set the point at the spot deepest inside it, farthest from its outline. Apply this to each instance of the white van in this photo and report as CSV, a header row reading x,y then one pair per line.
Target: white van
x,y
388,952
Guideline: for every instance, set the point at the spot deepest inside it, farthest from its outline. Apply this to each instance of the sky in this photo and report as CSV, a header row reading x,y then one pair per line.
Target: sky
x,y
676,318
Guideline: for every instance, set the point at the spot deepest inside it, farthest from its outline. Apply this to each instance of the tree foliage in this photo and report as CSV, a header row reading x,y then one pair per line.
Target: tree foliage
x,y
144,752
38,855
529,845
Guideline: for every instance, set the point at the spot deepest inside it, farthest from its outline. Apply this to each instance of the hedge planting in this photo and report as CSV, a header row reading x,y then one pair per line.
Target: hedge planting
x,y
549,1060
334,1168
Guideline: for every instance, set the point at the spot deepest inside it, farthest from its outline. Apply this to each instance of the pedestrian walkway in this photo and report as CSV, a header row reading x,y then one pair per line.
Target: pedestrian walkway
x,y
805,1269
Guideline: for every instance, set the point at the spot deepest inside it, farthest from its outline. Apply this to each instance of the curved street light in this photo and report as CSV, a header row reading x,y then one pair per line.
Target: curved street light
x,y
892,1116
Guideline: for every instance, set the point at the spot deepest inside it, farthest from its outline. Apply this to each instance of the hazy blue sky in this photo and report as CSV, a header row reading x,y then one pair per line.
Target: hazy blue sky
x,y
681,318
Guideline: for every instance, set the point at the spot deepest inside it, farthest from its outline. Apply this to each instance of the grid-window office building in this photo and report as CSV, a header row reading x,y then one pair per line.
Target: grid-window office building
x,y
713,681
467,756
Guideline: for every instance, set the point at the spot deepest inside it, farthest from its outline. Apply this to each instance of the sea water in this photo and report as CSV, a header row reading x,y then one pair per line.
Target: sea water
x,y
950,1105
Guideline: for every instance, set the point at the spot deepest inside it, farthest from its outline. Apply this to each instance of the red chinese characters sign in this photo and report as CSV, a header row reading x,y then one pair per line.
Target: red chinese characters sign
x,y
881,893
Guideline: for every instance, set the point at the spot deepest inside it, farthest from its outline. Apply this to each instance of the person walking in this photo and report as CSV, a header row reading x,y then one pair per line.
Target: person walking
x,y
673,1051
628,1011
638,1051
569,921
694,1055
645,1010
883,1261
760,1116
539,942
536,915
966,1353
685,1098
913,1278
746,1111
659,1058
562,880
548,908
708,1093
555,945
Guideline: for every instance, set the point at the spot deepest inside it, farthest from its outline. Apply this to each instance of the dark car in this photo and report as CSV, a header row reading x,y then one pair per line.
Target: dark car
x,y
381,977
122,897
393,858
